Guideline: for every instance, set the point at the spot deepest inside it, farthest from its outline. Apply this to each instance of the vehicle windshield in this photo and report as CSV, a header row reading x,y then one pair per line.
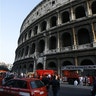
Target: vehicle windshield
x,y
37,84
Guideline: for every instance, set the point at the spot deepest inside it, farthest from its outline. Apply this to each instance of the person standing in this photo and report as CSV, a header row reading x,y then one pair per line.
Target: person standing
x,y
46,81
94,87
75,82
55,86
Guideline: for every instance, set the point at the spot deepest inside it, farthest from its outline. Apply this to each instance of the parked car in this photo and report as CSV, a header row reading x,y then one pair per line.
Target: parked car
x,y
23,87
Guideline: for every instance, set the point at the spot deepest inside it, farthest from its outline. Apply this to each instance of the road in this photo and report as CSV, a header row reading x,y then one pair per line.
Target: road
x,y
71,90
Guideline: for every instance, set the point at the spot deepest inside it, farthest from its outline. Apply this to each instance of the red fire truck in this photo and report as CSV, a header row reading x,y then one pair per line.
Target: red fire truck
x,y
71,76
41,73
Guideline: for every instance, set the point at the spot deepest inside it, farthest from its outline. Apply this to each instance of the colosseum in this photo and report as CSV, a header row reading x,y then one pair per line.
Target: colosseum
x,y
58,35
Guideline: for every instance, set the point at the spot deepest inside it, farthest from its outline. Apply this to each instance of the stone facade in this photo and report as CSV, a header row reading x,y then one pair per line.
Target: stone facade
x,y
56,34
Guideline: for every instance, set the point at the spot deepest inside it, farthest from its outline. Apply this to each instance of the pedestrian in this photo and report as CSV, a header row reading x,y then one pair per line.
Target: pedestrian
x,y
86,80
81,80
75,82
46,81
94,87
55,86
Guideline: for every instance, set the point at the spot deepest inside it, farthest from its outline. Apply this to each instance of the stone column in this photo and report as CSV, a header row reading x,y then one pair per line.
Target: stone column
x,y
38,31
44,66
27,36
94,35
76,62
32,33
46,44
89,8
59,18
35,63
48,24
72,14
24,53
35,57
58,42
29,51
74,39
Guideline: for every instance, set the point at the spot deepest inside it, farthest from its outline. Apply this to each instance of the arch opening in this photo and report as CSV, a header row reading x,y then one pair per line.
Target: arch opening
x,y
41,46
43,26
65,17
66,40
53,21
32,49
93,7
52,42
83,36
80,12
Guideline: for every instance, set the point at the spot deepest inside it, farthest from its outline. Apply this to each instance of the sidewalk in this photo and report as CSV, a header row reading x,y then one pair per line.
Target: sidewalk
x,y
65,84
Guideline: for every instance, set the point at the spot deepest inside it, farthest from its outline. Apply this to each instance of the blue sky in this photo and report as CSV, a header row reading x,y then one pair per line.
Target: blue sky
x,y
12,14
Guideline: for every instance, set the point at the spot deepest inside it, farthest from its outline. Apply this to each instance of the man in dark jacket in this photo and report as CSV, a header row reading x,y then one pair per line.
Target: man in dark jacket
x,y
46,81
55,86
94,87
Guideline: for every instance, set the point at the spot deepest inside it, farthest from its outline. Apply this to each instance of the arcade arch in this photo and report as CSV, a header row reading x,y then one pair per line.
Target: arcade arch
x,y
87,62
66,63
43,26
22,52
93,7
66,40
35,30
32,49
53,21
52,65
83,36
80,12
29,34
39,66
41,46
25,37
27,50
65,17
52,42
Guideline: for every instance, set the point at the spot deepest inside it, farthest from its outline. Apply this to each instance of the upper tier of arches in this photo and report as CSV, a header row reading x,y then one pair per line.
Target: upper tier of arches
x,y
59,18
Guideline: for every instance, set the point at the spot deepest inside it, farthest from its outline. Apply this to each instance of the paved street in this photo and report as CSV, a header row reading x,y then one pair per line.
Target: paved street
x,y
71,90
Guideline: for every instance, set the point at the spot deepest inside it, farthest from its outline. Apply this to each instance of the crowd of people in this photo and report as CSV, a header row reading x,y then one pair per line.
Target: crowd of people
x,y
53,81
86,81
80,80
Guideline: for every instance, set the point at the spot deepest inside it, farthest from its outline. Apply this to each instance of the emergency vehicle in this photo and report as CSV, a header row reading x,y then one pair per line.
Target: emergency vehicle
x,y
44,72
41,73
71,76
74,72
